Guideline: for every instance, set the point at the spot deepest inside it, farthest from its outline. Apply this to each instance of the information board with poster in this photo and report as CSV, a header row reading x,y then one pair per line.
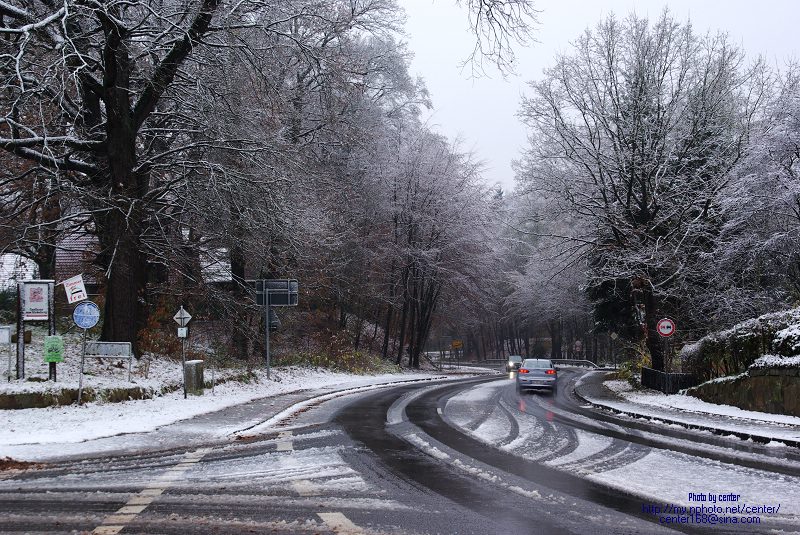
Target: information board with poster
x,y
35,301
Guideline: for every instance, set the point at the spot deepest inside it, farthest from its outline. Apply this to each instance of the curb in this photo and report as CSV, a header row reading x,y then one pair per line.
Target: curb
x,y
714,430
277,419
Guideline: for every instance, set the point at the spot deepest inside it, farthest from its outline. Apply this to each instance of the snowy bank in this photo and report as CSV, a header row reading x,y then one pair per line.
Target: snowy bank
x,y
70,424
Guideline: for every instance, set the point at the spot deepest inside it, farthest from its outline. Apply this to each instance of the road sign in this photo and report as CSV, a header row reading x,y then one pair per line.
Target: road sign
x,y
282,292
76,291
614,336
456,344
666,327
53,349
35,300
182,317
86,315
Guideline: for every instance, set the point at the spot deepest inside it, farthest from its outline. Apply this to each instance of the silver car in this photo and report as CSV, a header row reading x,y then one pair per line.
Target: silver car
x,y
537,374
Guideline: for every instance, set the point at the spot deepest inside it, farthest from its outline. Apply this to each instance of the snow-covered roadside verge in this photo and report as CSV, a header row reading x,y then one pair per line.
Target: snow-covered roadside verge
x,y
72,424
692,404
690,412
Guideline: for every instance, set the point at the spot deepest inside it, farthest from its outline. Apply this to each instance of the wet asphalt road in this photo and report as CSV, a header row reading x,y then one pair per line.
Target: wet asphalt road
x,y
341,468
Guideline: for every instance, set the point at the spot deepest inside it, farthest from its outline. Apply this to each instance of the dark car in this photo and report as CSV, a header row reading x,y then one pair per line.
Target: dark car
x,y
537,374
514,362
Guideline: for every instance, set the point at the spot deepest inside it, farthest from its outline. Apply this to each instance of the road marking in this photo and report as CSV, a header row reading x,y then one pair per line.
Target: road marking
x,y
108,530
285,445
116,522
339,523
304,487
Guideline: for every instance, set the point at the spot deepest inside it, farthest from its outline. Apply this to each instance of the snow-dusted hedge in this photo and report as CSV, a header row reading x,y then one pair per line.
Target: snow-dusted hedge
x,y
775,361
732,351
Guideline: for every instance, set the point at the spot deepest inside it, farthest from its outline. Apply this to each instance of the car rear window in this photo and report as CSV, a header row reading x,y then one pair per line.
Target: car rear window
x,y
537,363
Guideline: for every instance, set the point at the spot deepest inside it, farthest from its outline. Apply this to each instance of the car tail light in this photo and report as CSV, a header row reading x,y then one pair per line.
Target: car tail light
x,y
550,372
523,370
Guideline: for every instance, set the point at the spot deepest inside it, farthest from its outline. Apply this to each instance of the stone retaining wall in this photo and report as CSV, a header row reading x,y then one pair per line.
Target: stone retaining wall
x,y
772,390
67,396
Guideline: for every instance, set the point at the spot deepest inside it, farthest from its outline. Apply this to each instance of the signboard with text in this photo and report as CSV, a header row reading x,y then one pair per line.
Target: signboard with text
x,y
53,349
35,301
75,289
282,292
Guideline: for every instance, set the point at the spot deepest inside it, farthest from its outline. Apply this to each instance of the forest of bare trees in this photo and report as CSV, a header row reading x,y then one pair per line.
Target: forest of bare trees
x,y
205,143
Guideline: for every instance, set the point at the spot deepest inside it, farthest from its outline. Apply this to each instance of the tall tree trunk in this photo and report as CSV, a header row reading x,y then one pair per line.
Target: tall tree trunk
x,y
655,345
387,331
554,326
120,228
527,342
375,316
412,326
402,336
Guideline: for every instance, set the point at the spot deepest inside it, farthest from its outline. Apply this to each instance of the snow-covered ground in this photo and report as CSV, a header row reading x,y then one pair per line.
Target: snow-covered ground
x,y
98,374
692,404
70,424
657,475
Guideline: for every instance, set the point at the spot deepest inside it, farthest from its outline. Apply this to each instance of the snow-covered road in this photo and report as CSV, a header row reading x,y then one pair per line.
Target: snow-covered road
x,y
655,462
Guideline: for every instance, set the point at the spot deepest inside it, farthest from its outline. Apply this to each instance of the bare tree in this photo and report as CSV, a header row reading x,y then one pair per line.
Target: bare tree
x,y
103,95
635,133
757,255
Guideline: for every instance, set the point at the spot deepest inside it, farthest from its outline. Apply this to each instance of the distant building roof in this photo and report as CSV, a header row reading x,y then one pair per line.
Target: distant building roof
x,y
74,256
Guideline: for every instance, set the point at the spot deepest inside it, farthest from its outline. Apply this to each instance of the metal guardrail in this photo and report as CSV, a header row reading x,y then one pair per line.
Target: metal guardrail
x,y
575,362
562,362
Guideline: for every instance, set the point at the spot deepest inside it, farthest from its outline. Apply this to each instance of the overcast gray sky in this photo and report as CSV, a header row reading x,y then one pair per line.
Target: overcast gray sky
x,y
482,111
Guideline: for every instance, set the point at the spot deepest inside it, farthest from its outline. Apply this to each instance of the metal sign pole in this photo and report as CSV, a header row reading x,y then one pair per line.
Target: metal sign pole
x,y
51,326
20,331
266,328
183,362
80,377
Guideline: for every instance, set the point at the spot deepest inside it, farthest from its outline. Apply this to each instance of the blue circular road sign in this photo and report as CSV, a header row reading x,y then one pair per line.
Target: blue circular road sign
x,y
86,315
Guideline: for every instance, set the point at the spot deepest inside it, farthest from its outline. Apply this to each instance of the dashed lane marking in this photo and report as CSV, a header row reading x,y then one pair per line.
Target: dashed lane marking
x,y
285,445
340,523
304,487
116,522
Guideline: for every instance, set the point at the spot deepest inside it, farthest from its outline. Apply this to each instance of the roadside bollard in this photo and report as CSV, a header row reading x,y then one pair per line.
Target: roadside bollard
x,y
194,377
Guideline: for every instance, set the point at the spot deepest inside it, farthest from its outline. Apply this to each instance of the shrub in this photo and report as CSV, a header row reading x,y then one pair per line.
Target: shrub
x,y
732,351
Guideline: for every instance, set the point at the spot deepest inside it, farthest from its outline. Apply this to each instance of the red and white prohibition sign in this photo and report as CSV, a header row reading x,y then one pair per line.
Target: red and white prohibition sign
x,y
665,327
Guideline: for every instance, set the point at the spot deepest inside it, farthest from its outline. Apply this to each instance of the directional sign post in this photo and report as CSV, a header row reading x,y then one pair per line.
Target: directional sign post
x,y
275,293
182,318
86,315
